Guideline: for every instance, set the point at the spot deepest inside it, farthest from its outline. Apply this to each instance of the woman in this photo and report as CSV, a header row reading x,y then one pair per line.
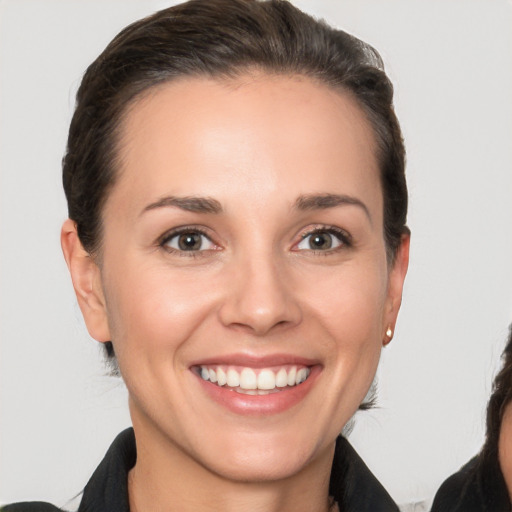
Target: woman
x,y
237,240
485,482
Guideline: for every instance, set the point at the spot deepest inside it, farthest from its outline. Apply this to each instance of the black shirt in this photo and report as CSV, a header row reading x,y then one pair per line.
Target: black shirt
x,y
478,487
352,484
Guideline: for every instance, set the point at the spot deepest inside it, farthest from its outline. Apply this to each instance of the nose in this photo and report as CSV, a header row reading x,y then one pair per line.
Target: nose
x,y
259,298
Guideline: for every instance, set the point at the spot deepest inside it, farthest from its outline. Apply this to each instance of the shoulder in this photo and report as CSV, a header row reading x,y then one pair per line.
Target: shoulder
x,y
107,489
477,487
454,490
30,506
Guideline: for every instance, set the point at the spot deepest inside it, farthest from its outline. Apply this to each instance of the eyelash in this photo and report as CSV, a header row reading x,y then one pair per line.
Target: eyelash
x,y
342,236
174,233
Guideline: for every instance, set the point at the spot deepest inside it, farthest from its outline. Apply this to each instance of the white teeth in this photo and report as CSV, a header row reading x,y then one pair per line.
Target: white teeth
x,y
255,382
221,377
233,378
248,379
302,375
291,376
266,379
281,378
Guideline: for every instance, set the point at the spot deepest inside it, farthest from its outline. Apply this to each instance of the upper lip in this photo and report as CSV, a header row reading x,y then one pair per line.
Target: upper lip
x,y
253,361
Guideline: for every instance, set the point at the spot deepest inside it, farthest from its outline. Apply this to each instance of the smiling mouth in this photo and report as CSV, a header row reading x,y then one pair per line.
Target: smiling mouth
x,y
254,381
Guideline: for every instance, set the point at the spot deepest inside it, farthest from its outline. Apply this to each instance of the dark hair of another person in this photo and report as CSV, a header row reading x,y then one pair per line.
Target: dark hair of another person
x,y
222,39
500,398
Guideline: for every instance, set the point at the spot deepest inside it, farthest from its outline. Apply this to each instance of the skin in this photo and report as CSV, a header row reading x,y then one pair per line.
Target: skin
x,y
505,447
255,144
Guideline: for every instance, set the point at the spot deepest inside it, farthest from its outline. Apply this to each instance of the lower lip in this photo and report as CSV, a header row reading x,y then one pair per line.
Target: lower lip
x,y
257,405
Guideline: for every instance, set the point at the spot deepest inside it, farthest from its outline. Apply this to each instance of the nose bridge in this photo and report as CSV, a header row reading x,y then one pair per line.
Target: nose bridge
x,y
260,297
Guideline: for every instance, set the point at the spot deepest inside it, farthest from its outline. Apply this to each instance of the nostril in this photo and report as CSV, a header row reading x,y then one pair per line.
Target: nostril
x,y
258,328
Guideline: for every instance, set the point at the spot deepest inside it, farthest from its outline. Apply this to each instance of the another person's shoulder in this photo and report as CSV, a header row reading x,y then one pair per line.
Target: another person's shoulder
x,y
30,506
454,490
477,487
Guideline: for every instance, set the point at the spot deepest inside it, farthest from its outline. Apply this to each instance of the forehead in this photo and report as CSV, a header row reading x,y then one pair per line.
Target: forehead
x,y
288,133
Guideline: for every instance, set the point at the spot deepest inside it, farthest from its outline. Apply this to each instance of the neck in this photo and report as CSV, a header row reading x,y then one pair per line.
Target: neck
x,y
166,479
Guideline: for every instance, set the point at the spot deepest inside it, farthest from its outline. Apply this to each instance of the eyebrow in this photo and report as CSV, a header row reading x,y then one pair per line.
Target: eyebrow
x,y
325,201
303,203
189,204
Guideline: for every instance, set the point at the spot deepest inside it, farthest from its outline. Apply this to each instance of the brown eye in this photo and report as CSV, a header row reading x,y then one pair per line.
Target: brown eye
x,y
323,240
320,241
188,241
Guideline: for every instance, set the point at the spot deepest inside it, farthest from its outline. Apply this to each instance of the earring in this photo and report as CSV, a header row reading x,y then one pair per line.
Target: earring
x,y
389,337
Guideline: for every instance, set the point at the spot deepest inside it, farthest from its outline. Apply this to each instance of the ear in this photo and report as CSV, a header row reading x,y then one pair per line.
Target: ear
x,y
395,287
86,278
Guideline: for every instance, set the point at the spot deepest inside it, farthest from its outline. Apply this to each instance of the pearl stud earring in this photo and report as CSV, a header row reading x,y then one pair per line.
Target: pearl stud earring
x,y
389,336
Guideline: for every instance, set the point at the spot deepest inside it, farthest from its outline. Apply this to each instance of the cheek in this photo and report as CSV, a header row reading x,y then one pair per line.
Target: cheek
x,y
505,447
150,311
351,302
352,309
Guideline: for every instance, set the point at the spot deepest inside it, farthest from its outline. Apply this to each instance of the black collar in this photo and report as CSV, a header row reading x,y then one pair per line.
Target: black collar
x,y
352,484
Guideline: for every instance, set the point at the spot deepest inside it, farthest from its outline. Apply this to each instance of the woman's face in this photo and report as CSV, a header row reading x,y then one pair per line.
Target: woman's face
x,y
243,245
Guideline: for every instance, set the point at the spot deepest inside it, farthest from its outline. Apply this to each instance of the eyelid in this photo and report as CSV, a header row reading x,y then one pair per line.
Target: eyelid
x,y
344,236
180,230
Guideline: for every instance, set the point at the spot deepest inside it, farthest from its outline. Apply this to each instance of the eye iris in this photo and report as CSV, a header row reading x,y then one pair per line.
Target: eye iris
x,y
190,242
320,241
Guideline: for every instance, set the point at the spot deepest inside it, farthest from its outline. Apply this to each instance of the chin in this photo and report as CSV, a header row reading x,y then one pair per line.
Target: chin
x,y
261,469
263,459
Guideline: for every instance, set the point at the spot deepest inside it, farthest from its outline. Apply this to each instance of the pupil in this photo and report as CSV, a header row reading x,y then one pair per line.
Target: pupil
x,y
189,242
321,241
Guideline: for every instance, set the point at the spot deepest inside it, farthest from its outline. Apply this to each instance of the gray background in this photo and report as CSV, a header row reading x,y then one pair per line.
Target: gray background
x,y
451,64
